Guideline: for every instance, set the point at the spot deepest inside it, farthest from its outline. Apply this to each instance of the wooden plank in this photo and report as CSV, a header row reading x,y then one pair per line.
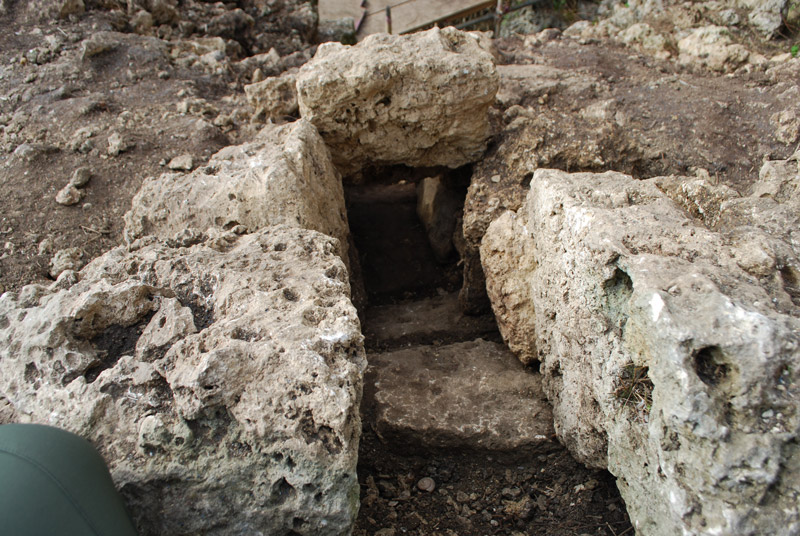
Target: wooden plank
x,y
340,9
410,15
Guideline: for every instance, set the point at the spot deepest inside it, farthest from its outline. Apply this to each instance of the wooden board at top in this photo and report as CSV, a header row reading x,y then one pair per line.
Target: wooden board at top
x,y
410,15
340,9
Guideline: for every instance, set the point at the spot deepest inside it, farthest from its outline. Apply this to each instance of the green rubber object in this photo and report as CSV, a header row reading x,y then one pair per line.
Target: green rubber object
x,y
53,482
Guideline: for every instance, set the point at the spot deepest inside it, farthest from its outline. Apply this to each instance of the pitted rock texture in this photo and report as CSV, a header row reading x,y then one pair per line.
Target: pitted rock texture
x,y
668,343
470,394
221,382
707,34
583,108
418,100
285,176
273,98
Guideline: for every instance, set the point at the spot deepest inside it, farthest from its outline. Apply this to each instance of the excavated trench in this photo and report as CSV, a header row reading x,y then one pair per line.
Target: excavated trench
x,y
428,462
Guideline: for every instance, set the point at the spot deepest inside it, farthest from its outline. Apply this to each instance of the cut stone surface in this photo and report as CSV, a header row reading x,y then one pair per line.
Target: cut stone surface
x,y
419,99
285,176
471,394
424,322
664,315
221,382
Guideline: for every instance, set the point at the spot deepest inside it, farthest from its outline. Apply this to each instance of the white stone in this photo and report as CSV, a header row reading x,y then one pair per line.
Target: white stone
x,y
68,195
419,99
205,379
599,290
184,162
284,176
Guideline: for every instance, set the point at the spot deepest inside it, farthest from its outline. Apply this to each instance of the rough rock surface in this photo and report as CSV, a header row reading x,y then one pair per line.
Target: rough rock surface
x,y
221,382
720,33
419,100
583,108
767,16
470,394
174,90
712,47
285,176
273,98
664,315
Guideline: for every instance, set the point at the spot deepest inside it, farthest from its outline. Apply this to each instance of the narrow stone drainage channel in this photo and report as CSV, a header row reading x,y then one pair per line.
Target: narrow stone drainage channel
x,y
457,434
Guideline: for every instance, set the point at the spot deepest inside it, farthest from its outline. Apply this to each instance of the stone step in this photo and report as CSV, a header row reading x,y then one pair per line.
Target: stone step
x,y
472,394
432,320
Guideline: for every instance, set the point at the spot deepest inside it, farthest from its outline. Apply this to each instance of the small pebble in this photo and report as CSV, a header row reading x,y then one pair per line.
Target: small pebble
x,y
46,246
116,144
69,195
184,162
80,177
426,484
495,178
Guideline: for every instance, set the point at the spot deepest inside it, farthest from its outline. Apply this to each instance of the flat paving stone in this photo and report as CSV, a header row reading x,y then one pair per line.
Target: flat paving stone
x,y
472,394
438,319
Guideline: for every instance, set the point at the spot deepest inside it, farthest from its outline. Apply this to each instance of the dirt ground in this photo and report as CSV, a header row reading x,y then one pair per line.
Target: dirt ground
x,y
60,106
482,493
87,91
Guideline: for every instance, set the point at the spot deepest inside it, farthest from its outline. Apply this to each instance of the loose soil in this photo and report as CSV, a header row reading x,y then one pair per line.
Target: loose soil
x,y
481,493
163,108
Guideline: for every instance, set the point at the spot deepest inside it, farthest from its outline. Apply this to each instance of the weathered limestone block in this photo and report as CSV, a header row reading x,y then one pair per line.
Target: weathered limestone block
x,y
613,130
285,176
766,16
712,47
645,37
470,394
669,344
273,98
419,100
221,382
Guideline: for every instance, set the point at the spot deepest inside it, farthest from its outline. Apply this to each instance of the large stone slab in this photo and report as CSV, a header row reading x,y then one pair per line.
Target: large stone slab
x,y
664,315
221,382
432,320
419,100
471,394
284,176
